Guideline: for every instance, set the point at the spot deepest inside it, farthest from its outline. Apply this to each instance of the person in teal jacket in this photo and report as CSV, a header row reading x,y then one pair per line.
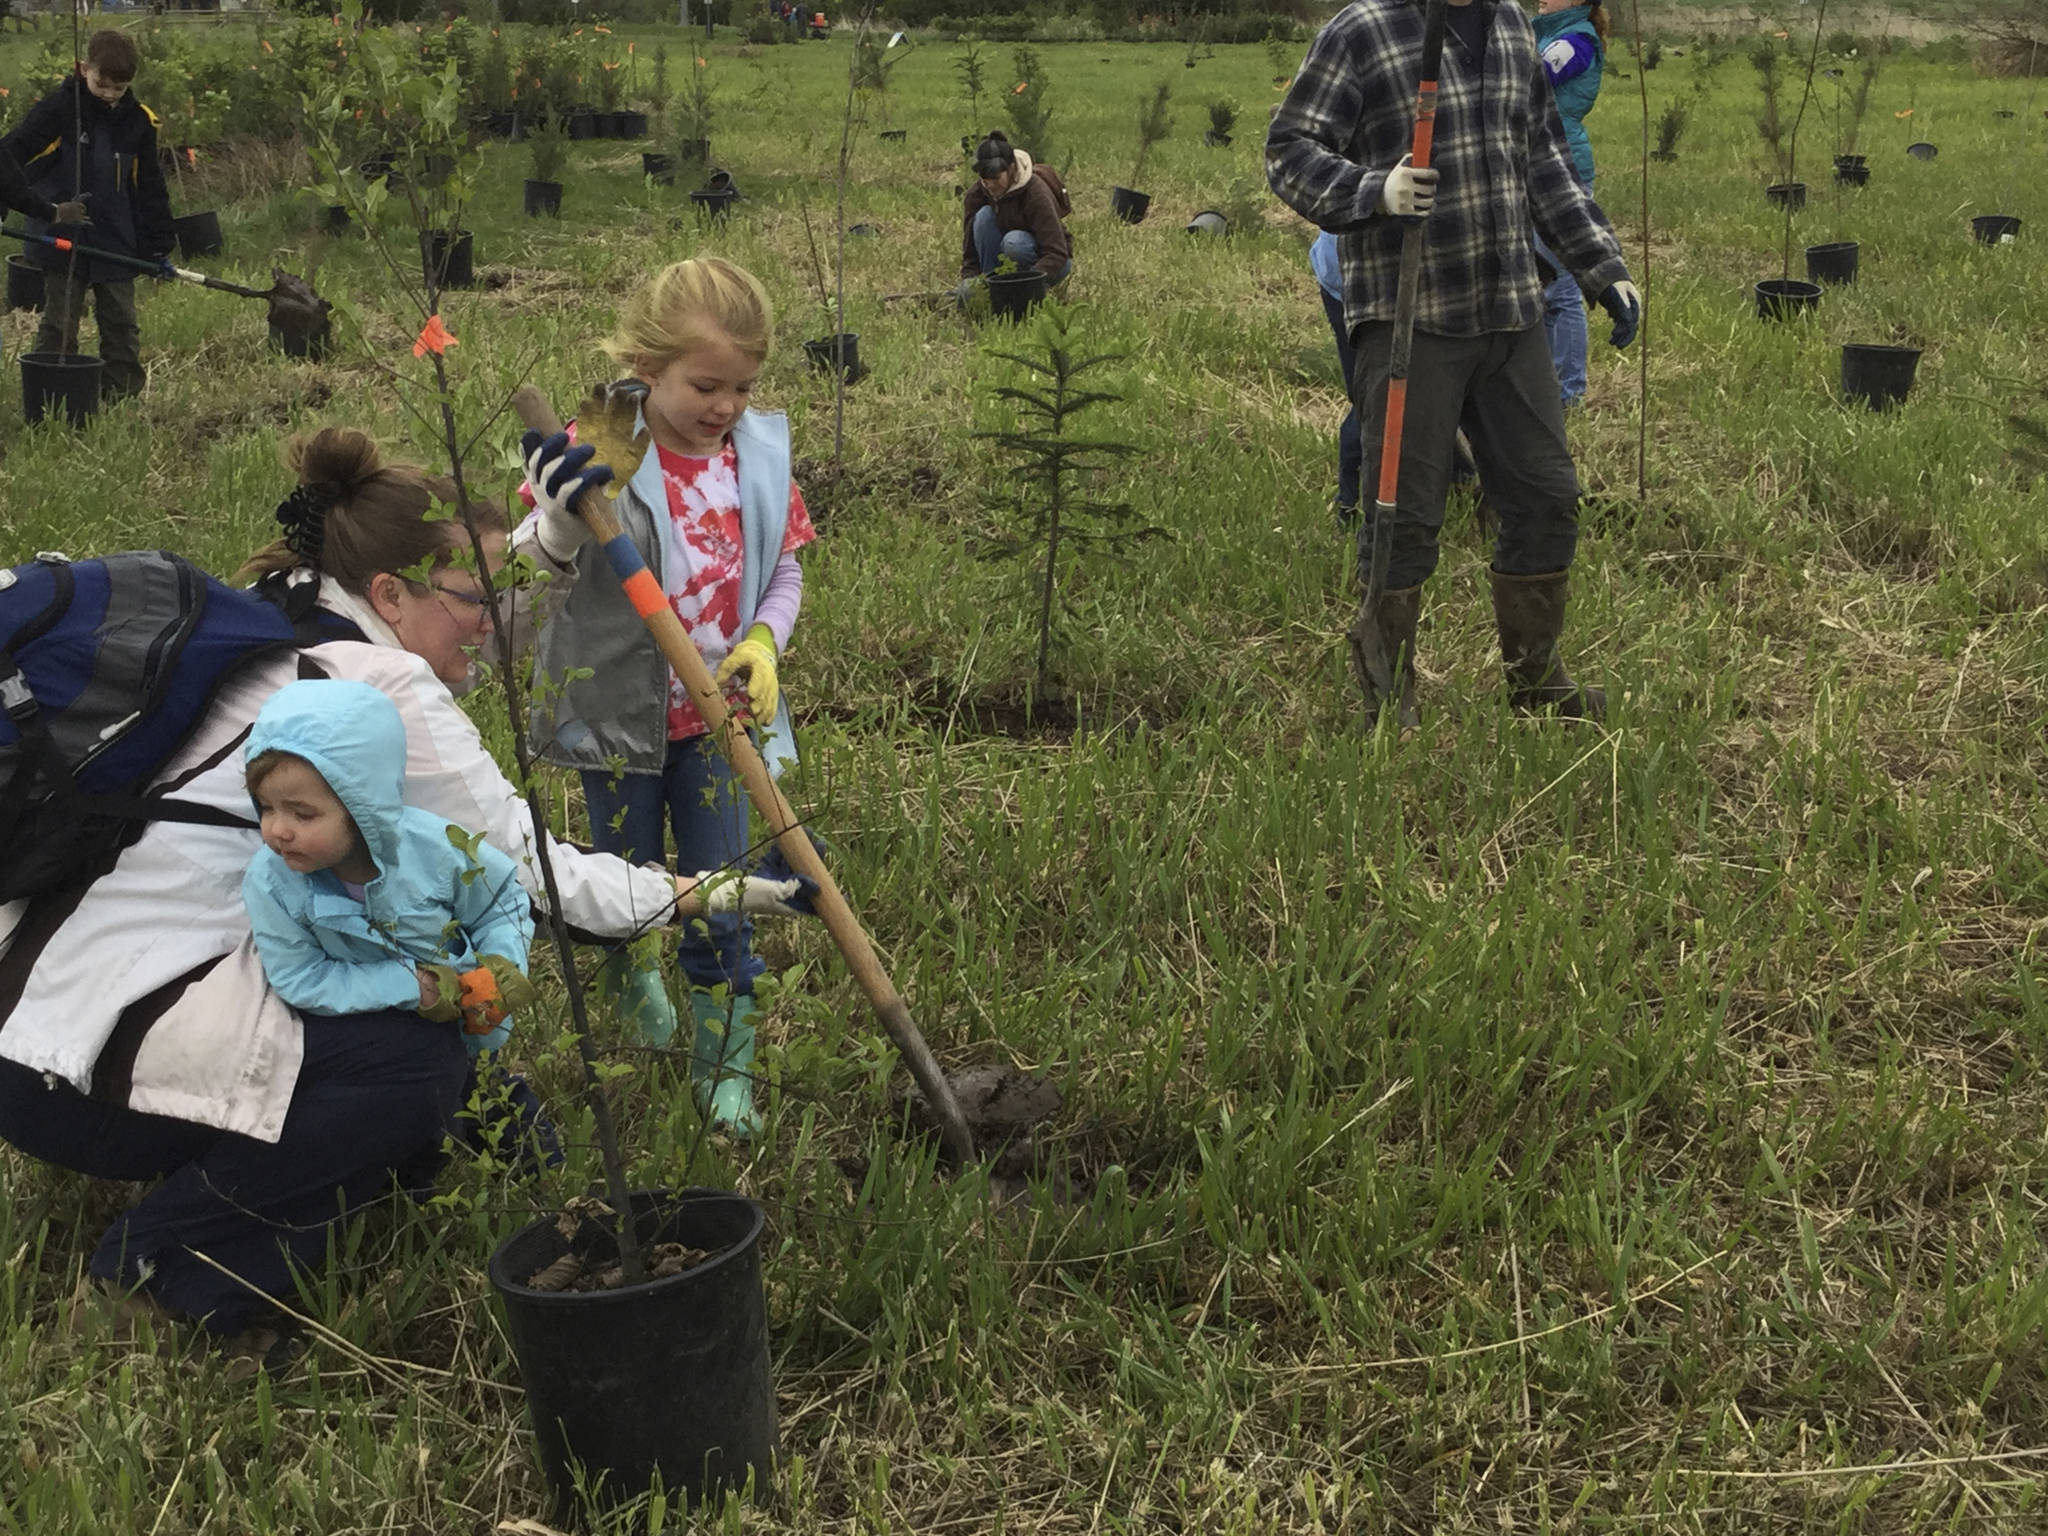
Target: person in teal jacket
x,y
1573,40
358,902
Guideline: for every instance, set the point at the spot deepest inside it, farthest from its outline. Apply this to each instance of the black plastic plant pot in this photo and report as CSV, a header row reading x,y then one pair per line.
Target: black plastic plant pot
x,y
1832,263
1782,298
695,151
1013,295
543,199
438,167
845,347
1209,222
2004,113
1994,228
499,125
632,125
715,202
1922,150
57,381
1787,194
1128,205
449,254
893,135
1879,376
668,1378
198,234
582,125
1853,175
293,342
376,166
335,220
864,231
24,284
661,167
1216,140
1842,160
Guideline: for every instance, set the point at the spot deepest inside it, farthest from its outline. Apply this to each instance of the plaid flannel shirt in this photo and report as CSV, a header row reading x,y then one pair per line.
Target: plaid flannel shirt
x,y
1499,144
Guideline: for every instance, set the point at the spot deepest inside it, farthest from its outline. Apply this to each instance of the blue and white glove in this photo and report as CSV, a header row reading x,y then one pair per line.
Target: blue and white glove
x,y
771,887
557,472
1625,304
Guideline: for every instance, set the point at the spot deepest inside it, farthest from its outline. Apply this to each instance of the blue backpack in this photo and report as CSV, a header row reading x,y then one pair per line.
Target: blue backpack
x,y
107,667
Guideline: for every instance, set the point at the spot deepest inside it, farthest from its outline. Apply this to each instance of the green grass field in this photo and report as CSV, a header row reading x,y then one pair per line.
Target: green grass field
x,y
1508,1129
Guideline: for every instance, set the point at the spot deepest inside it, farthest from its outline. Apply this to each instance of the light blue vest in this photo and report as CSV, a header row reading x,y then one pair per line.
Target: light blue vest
x,y
619,711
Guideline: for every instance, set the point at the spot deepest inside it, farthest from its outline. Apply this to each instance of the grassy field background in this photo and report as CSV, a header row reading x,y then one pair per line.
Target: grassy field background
x,y
1510,1128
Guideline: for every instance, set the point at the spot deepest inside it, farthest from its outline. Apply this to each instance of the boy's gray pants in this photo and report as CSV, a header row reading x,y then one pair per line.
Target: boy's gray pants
x,y
1516,427
120,343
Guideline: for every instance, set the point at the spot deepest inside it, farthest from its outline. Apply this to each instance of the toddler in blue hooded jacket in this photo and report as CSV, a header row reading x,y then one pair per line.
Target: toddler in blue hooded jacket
x,y
360,903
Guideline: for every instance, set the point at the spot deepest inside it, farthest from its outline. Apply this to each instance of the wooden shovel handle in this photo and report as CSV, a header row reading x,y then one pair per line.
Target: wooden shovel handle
x,y
681,653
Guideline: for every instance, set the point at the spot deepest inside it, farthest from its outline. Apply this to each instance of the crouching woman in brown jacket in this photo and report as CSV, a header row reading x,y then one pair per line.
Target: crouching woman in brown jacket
x,y
1015,209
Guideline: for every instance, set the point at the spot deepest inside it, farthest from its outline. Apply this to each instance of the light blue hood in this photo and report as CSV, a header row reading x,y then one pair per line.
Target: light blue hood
x,y
353,736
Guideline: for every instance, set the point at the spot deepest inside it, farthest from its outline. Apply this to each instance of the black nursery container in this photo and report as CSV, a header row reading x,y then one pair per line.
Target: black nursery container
x,y
198,234
715,202
1787,194
667,1378
1853,175
893,135
1994,228
1209,221
57,381
1128,205
1879,376
582,125
292,342
450,255
1216,140
543,199
632,124
1834,262
1783,298
334,219
661,167
24,284
846,348
1013,295
1922,150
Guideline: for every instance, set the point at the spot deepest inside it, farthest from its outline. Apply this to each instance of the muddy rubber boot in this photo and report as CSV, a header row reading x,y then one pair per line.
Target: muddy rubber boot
x,y
721,1061
1529,611
636,994
1395,617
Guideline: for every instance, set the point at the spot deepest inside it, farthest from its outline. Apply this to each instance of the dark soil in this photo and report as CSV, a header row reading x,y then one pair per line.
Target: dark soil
x,y
295,309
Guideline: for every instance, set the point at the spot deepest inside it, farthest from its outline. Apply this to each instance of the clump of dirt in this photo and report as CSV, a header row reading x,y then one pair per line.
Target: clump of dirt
x,y
1002,1107
592,1262
295,309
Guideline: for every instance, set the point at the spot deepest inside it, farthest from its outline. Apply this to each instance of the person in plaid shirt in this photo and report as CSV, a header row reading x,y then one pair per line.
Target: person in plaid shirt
x,y
1500,173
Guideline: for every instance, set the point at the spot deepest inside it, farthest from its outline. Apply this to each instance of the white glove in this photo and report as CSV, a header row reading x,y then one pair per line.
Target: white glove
x,y
556,474
1407,192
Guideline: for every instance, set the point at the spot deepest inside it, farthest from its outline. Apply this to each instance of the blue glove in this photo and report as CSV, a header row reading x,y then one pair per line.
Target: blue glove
x,y
556,474
1625,304
164,270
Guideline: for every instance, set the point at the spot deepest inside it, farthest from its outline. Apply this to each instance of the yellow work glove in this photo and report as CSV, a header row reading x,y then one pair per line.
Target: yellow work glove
x,y
755,656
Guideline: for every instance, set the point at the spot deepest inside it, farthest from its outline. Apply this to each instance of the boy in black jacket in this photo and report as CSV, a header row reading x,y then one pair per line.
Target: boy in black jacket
x,y
91,142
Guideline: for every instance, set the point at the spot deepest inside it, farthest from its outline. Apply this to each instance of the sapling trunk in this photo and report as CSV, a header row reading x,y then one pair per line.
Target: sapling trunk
x,y
1792,146
1154,124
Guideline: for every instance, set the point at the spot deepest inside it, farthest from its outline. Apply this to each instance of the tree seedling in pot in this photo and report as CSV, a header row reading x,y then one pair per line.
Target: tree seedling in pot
x,y
1222,118
1155,123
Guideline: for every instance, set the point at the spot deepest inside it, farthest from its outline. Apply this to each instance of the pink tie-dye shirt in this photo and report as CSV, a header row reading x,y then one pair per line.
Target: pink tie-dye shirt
x,y
706,554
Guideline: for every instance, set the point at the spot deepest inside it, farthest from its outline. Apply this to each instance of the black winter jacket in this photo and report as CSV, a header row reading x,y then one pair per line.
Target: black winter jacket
x,y
72,143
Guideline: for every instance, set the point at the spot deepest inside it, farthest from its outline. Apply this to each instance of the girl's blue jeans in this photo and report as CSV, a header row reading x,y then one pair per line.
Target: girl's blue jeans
x,y
705,806
991,245
1564,325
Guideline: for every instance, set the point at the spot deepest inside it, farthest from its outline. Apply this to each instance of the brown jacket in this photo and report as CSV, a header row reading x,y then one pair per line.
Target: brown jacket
x,y
1028,205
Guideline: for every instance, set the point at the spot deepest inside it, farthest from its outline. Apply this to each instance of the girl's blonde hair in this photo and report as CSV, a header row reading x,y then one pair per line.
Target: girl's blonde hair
x,y
684,305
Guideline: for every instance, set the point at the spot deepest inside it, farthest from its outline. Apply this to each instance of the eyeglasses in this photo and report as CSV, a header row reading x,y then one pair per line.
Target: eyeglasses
x,y
479,606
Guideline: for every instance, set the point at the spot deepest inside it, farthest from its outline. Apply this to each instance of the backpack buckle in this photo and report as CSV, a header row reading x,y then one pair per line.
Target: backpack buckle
x,y
15,697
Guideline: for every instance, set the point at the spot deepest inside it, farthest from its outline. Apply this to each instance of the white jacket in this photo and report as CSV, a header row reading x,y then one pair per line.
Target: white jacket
x,y
165,927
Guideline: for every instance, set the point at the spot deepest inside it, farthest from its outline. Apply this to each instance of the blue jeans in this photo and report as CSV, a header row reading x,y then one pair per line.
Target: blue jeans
x,y
1350,441
991,245
706,809
1564,323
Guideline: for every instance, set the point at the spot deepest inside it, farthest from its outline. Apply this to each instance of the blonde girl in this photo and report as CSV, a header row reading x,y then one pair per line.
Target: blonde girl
x,y
709,503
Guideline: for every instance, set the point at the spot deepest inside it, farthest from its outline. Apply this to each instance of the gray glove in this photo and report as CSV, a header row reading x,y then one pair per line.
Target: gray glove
x,y
964,294
74,213
1408,193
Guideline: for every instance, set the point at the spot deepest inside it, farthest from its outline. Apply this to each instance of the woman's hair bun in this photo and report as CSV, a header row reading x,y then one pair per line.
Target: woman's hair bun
x,y
334,461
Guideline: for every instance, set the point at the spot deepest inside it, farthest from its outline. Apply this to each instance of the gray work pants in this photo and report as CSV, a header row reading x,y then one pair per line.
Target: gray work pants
x,y
120,344
1516,426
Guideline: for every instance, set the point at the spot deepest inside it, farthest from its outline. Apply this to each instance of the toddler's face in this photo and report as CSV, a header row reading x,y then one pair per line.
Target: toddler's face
x,y
701,394
303,821
109,91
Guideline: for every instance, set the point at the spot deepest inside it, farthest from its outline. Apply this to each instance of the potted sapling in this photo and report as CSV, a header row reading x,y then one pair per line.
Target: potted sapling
x,y
694,113
1774,131
1222,118
1784,296
495,86
632,117
972,69
547,147
611,98
1154,124
838,350
1852,169
660,164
